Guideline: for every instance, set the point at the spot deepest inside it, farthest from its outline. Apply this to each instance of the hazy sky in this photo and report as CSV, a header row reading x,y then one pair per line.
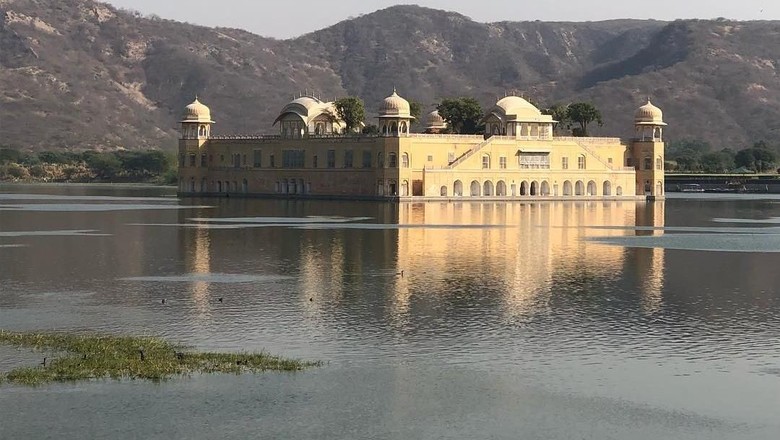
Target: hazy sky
x,y
286,18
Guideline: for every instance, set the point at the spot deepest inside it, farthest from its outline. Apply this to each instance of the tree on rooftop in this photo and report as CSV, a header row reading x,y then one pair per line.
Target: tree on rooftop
x,y
584,114
462,114
415,109
560,114
352,111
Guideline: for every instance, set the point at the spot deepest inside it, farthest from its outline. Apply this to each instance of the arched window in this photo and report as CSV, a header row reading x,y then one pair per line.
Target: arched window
x,y
579,188
592,188
501,188
581,163
545,191
457,189
567,191
392,160
619,191
443,191
659,163
405,160
475,189
488,189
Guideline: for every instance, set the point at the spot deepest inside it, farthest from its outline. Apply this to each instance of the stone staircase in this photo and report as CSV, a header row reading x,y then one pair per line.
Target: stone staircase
x,y
469,153
596,156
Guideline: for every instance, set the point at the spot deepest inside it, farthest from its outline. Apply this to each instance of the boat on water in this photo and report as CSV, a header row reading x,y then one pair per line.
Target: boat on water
x,y
736,187
691,188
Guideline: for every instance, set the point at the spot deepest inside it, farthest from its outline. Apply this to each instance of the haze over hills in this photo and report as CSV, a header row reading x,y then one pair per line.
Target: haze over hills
x,y
78,73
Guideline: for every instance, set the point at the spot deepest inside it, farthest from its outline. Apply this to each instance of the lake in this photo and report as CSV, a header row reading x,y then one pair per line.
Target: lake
x,y
548,320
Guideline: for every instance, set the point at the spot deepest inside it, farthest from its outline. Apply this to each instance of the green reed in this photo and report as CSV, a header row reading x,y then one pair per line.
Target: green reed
x,y
89,356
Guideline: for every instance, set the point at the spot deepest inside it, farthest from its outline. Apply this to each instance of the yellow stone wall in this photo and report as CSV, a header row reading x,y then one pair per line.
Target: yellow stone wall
x,y
419,166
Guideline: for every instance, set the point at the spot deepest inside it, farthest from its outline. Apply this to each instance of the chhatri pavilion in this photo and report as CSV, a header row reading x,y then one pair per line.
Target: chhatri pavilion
x,y
519,157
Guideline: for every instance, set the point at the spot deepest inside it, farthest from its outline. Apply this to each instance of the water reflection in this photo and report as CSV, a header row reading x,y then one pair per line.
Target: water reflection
x,y
507,315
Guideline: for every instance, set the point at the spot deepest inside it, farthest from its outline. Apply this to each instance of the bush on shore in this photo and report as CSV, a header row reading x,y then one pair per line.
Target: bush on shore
x,y
145,166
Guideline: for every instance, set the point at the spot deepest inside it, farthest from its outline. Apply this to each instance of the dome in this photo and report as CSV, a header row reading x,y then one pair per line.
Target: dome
x,y
518,107
649,114
395,106
435,121
197,112
306,108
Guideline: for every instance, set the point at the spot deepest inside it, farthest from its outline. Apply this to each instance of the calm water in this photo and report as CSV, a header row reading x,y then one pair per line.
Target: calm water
x,y
592,320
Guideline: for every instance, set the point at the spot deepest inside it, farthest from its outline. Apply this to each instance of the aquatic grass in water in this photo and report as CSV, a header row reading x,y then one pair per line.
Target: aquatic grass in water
x,y
85,357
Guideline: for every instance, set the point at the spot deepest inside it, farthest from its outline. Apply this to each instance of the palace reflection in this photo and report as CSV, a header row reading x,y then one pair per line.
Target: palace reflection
x,y
534,246
518,255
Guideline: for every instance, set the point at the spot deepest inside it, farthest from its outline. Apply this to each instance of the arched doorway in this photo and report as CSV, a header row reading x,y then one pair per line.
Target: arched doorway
x,y
203,185
501,188
443,191
619,191
524,189
579,188
457,189
405,188
534,188
567,191
475,189
245,186
219,186
607,188
285,187
488,192
592,188
545,188
659,189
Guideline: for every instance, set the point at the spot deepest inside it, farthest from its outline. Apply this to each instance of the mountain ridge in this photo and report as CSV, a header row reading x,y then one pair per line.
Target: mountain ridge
x,y
82,74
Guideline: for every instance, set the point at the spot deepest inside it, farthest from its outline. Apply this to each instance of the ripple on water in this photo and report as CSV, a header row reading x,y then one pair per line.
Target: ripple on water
x,y
220,278
91,207
10,196
282,220
70,233
766,243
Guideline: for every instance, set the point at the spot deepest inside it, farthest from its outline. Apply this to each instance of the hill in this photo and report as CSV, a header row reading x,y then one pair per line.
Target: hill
x,y
78,73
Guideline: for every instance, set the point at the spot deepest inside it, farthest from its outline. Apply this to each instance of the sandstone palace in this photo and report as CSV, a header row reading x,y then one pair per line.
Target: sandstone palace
x,y
518,158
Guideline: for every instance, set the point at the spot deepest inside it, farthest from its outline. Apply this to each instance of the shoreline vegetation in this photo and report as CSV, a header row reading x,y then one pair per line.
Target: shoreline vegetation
x,y
83,357
120,166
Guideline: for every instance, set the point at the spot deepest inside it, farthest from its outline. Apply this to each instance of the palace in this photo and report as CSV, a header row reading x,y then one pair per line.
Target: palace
x,y
518,158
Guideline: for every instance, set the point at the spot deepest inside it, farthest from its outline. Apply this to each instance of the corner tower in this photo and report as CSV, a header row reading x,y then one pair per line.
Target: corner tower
x,y
395,117
648,150
195,132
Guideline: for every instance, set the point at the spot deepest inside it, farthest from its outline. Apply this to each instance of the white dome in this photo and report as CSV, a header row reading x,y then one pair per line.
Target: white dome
x,y
649,114
197,112
435,121
307,108
519,107
395,106
516,109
